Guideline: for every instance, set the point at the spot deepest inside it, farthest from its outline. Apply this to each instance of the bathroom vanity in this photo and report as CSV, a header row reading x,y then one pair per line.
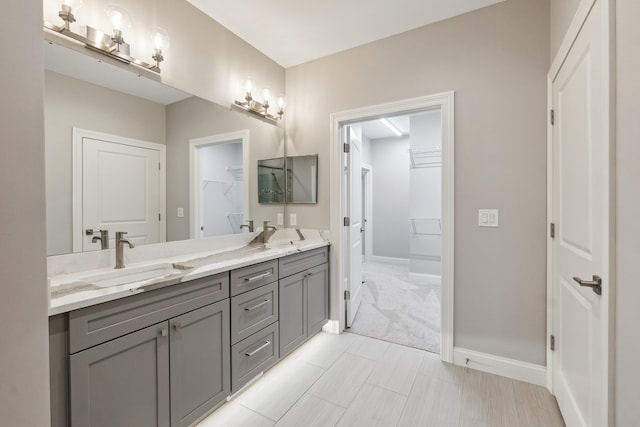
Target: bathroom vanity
x,y
180,343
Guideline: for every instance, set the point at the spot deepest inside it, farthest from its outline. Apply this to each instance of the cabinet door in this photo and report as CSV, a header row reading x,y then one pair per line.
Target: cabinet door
x,y
293,313
123,382
317,298
200,367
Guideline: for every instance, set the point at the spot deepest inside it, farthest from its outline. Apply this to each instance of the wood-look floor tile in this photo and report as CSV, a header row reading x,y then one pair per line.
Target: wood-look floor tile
x,y
536,406
280,388
323,349
397,369
233,414
432,403
341,382
370,348
489,398
311,411
374,407
433,366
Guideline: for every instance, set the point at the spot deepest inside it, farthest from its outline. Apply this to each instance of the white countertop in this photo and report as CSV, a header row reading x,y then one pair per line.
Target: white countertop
x,y
71,276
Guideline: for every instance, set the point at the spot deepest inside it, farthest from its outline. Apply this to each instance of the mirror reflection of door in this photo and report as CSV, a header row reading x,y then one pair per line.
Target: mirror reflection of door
x,y
222,191
119,184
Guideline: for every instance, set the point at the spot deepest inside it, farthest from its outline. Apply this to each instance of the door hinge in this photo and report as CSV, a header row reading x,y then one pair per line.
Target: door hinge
x,y
159,217
158,165
345,147
552,117
347,295
552,342
347,221
552,230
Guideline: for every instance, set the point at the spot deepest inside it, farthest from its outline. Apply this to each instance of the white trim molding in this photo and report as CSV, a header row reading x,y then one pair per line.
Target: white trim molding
x,y
445,102
503,366
78,135
332,327
195,174
390,260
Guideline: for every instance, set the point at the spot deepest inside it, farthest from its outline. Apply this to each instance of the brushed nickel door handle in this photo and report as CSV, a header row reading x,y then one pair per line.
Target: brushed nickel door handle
x,y
595,283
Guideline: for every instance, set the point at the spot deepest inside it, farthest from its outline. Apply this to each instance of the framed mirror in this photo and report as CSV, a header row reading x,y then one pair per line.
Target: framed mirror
x,y
302,179
144,153
271,181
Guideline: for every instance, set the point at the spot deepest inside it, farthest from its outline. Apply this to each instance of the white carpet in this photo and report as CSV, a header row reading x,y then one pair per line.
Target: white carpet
x,y
399,308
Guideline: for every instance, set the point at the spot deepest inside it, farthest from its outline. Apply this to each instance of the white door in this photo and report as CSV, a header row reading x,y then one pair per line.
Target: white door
x,y
581,214
120,192
353,268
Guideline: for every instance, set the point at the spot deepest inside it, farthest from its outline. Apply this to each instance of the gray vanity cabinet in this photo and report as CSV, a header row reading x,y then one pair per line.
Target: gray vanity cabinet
x,y
123,382
199,362
304,297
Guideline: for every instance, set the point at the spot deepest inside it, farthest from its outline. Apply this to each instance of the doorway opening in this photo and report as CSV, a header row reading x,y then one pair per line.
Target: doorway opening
x,y
218,189
400,229
385,234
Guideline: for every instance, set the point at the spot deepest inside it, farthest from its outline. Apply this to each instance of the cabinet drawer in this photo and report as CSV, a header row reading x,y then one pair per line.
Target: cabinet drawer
x,y
97,324
253,355
253,310
253,276
293,264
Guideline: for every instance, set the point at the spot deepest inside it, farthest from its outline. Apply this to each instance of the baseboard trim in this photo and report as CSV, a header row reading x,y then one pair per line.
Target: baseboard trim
x,y
389,260
332,327
510,368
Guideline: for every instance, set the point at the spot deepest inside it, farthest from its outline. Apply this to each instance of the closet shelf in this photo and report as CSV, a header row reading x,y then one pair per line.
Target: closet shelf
x,y
426,157
425,226
228,184
235,172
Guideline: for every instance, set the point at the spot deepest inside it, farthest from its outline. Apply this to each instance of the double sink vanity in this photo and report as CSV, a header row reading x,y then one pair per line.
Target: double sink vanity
x,y
182,327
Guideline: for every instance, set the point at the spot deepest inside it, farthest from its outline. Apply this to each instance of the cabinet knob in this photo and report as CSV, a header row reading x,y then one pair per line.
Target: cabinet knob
x,y
164,332
177,327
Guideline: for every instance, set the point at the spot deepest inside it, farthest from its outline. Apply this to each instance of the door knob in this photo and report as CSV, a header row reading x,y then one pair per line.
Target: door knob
x,y
595,283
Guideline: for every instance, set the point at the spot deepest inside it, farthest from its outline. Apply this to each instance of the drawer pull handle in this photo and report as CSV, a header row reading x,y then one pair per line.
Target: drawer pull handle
x,y
256,306
262,347
177,327
259,276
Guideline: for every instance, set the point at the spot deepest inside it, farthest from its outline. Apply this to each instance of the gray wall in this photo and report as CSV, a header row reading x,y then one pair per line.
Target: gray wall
x,y
562,13
24,375
627,348
496,59
70,103
390,197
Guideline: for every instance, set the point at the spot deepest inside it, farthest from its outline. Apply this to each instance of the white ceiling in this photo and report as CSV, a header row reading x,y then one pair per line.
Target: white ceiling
x,y
292,32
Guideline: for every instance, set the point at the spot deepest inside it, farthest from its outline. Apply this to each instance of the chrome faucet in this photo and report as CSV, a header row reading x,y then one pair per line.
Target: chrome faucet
x,y
120,242
104,239
249,226
265,231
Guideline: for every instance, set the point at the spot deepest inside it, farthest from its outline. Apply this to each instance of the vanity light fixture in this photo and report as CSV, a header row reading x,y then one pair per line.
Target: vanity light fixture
x,y
114,45
391,127
258,108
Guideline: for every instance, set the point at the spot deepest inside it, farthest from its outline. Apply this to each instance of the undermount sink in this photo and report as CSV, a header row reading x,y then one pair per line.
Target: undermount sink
x,y
132,275
283,244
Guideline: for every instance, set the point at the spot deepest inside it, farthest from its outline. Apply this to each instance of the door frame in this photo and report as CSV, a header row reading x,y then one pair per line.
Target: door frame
x,y
444,101
78,135
195,173
608,300
367,173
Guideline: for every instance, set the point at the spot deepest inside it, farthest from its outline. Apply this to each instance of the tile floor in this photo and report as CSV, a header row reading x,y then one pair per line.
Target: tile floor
x,y
399,308
351,380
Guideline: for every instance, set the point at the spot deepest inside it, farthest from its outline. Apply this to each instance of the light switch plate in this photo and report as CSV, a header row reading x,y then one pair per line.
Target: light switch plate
x,y
293,219
180,212
488,217
280,219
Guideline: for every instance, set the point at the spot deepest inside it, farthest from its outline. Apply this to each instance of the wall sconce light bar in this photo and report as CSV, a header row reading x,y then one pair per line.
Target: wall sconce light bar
x,y
257,108
112,46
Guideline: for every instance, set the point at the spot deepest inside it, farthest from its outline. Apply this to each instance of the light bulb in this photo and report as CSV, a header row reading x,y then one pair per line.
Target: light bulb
x,y
281,102
72,4
118,17
248,86
160,39
266,94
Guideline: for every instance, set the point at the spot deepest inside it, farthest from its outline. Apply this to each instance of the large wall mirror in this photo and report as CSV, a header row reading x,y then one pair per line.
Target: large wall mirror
x,y
126,153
